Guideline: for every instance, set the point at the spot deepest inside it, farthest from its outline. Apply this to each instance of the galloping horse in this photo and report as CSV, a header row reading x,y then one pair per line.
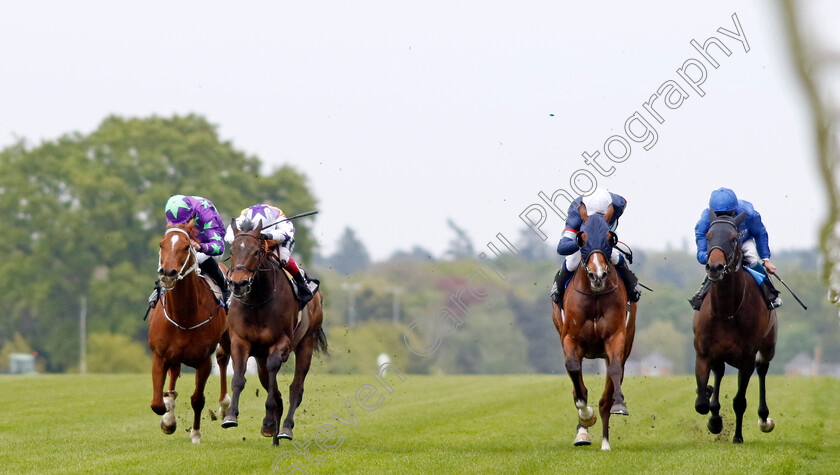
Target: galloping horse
x,y
732,325
263,316
596,324
185,328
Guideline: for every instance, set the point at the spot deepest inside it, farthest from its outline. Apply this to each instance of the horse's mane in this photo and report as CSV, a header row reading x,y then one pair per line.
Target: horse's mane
x,y
246,225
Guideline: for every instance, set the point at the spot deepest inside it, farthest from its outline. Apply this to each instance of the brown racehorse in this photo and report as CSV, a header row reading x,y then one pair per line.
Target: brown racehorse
x,y
596,324
263,315
185,327
731,327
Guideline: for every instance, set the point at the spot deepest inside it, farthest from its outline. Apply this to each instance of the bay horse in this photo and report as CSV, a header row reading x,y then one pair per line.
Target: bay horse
x,y
597,324
733,326
185,327
263,316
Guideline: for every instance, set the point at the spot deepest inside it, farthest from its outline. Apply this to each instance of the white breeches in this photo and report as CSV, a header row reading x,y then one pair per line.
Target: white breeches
x,y
573,260
201,257
749,252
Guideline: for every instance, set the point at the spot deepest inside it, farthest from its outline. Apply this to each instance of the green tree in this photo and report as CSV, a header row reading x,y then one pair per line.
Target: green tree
x,y
84,213
109,353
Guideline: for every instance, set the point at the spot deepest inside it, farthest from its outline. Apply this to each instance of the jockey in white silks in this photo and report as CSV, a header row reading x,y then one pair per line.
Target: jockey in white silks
x,y
280,234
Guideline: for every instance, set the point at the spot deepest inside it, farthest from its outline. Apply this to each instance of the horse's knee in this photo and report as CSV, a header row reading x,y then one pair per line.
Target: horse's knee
x,y
572,364
238,382
739,404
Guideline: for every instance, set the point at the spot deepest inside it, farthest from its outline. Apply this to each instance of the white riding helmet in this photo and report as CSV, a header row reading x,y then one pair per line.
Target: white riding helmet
x,y
598,202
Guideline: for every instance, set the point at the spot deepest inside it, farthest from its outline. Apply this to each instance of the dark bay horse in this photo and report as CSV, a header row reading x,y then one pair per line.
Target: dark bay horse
x,y
596,324
185,327
263,315
732,326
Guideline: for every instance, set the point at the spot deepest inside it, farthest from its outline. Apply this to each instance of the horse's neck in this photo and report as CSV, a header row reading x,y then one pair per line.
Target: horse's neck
x,y
182,301
727,294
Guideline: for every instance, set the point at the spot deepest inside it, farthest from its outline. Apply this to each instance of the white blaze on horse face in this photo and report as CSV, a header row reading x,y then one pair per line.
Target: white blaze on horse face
x,y
174,240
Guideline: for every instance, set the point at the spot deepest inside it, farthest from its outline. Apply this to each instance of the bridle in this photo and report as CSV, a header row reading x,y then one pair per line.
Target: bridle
x,y
583,263
731,259
184,271
263,246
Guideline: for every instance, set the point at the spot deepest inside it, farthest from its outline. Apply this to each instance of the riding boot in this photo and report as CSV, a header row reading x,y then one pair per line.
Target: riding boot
x,y
697,300
211,268
304,292
155,296
768,290
631,282
559,287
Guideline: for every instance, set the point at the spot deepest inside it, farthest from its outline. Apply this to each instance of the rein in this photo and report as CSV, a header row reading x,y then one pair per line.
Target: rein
x,y
181,274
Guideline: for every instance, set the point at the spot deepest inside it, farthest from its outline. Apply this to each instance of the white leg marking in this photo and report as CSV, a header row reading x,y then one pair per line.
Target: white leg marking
x,y
224,405
605,444
195,435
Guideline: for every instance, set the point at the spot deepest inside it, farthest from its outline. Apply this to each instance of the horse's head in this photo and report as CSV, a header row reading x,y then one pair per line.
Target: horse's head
x,y
724,252
247,253
596,243
177,258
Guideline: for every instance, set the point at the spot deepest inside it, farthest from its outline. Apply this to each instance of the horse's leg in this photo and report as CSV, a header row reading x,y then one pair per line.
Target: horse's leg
x,y
168,423
239,351
303,358
197,399
222,359
262,372
614,347
702,367
274,400
715,424
158,376
586,416
605,405
765,423
740,401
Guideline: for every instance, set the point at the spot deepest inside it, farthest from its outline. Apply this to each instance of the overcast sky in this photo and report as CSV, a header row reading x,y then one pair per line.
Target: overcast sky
x,y
403,114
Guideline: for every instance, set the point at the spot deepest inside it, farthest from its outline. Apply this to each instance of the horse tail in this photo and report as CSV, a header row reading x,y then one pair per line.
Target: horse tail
x,y
321,342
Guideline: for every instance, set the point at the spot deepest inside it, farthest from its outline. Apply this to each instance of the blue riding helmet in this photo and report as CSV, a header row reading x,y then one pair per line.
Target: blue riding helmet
x,y
723,199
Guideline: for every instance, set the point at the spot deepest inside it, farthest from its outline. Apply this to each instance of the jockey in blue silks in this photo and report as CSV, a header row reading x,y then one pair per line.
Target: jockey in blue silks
x,y
752,238
596,203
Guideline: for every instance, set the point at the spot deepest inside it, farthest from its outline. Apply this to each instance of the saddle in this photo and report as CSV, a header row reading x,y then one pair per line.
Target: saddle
x,y
217,292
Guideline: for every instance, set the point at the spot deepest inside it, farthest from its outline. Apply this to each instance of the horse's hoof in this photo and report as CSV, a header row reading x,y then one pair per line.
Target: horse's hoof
x,y
701,406
224,404
590,421
766,426
715,425
168,429
605,444
228,423
285,433
737,440
268,430
582,437
619,409
195,435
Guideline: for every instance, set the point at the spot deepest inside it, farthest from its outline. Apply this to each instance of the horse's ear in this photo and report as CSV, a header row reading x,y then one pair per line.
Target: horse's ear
x,y
259,227
234,226
609,214
740,218
612,238
580,239
583,214
712,215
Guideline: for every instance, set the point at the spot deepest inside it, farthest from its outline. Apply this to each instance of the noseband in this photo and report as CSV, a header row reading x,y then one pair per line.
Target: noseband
x,y
182,272
606,270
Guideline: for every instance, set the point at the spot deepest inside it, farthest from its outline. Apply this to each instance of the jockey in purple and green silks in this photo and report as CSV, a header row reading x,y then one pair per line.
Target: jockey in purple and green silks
x,y
208,243
752,238
280,235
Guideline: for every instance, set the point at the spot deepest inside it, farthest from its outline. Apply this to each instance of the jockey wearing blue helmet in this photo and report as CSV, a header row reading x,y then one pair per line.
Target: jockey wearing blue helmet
x,y
752,238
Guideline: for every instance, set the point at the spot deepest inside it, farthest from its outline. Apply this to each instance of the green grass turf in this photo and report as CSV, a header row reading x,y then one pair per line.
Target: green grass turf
x,y
430,424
